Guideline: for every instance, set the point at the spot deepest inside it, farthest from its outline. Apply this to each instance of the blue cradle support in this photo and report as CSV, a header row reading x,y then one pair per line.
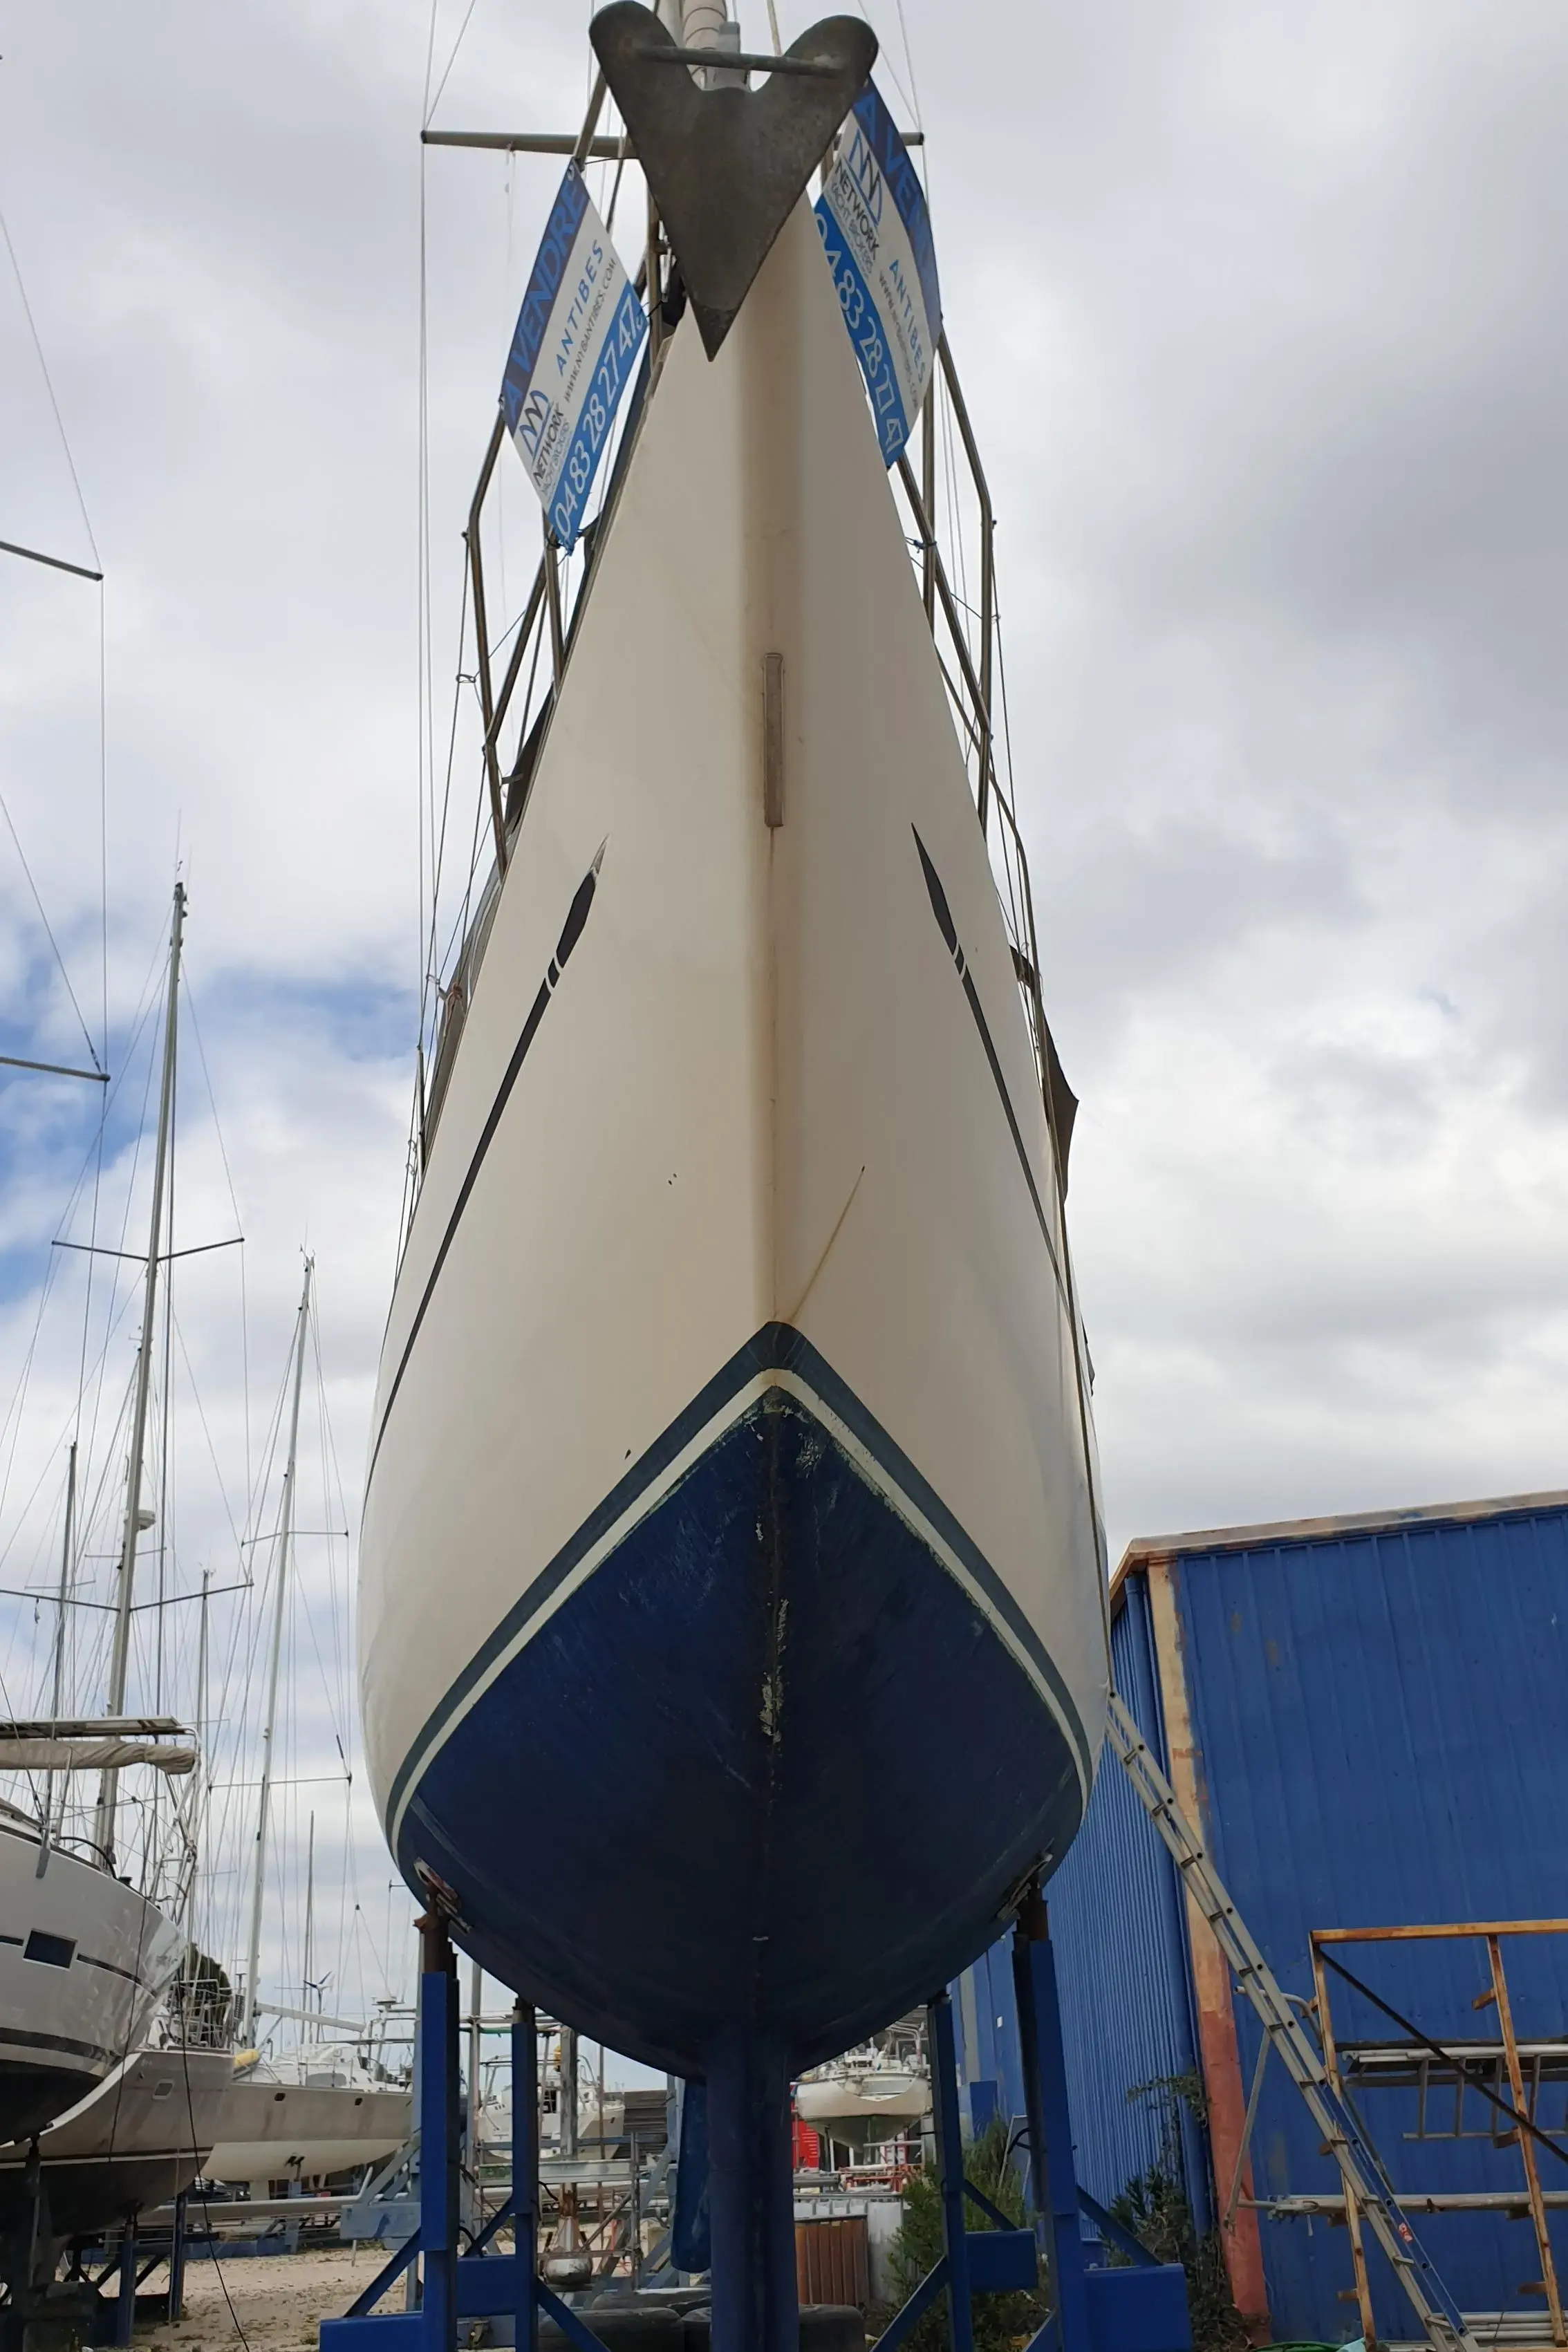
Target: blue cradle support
x,y
525,2176
479,2285
1142,2308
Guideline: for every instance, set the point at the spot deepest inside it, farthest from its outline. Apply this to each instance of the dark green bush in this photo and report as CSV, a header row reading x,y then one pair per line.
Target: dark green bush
x,y
1155,2206
1001,2321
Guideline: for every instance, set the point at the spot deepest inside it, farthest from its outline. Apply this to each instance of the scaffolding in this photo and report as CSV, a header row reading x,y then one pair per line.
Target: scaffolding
x,y
1507,2075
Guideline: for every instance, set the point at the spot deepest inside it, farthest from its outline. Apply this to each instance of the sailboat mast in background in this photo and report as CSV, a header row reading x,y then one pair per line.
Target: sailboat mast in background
x,y
285,1549
56,1687
119,1655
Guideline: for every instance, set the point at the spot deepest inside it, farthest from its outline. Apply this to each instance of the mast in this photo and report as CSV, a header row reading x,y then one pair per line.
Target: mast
x,y
305,1985
285,1548
199,1794
120,1655
56,1692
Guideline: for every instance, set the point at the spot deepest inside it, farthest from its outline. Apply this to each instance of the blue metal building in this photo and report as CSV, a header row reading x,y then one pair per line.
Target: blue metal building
x,y
1369,1715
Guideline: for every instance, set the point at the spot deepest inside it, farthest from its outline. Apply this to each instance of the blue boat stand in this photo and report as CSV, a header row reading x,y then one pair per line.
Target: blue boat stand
x,y
1137,2308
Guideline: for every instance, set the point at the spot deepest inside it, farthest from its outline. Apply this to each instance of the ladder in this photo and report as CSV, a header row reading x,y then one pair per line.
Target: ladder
x,y
1367,2185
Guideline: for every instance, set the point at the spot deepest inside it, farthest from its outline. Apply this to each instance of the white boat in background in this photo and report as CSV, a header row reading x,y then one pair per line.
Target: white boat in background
x,y
88,1939
871,2097
314,2111
85,1961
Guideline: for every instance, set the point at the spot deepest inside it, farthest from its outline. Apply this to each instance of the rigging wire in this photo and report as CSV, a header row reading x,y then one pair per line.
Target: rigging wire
x,y
49,387
207,1431
425,745
239,1223
11,1424
48,932
432,969
433,103
910,67
146,1003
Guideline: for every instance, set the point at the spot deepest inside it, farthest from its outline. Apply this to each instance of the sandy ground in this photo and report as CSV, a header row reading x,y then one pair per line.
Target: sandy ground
x,y
279,2300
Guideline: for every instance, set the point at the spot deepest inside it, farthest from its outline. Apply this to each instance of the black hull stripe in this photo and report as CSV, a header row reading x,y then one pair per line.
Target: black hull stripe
x,y
777,1347
13,2036
575,919
941,910
114,2166
110,1968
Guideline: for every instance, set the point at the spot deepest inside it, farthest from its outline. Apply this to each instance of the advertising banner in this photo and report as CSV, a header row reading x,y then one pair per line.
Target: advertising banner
x,y
876,232
579,332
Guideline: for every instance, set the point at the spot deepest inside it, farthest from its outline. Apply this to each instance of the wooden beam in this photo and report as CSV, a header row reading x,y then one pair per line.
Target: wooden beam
x,y
1427,1934
1218,2049
1548,2284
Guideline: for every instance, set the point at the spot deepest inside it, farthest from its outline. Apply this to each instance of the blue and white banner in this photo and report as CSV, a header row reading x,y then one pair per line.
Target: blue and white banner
x,y
876,232
578,335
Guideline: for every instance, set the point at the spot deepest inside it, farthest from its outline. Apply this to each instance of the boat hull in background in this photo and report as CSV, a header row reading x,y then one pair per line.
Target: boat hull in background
x,y
266,2130
137,2140
84,1962
731,1586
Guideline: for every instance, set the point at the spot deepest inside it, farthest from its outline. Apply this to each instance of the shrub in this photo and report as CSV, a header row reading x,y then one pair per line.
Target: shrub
x,y
1001,2321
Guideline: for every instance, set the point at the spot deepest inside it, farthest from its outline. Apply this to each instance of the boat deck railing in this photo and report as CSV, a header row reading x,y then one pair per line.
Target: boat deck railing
x,y
950,527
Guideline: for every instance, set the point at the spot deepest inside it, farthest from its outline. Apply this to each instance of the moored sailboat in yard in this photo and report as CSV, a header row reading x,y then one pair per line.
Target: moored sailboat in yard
x,y
314,2111
732,1467
85,1960
88,1950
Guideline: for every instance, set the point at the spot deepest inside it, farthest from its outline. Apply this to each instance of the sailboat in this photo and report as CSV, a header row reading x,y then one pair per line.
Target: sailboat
x,y
85,1961
874,2098
86,1955
314,2111
732,1635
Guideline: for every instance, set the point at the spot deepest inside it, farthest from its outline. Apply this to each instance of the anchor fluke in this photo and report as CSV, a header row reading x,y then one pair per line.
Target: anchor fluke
x,y
726,166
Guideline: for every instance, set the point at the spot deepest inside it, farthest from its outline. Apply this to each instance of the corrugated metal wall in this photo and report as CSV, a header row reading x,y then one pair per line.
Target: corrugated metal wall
x,y
1379,1718
1382,1726
832,2261
1116,1923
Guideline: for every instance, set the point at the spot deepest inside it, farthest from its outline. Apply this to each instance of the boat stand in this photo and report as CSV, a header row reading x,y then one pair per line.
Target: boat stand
x,y
480,2284
1140,2307
38,2308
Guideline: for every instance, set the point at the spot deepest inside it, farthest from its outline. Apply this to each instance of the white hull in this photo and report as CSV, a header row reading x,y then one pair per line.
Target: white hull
x,y
274,2131
833,2106
760,1113
137,2139
102,1958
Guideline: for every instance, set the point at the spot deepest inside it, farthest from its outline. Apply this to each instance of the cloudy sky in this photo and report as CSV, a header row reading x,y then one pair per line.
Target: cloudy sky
x,y
1261,315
